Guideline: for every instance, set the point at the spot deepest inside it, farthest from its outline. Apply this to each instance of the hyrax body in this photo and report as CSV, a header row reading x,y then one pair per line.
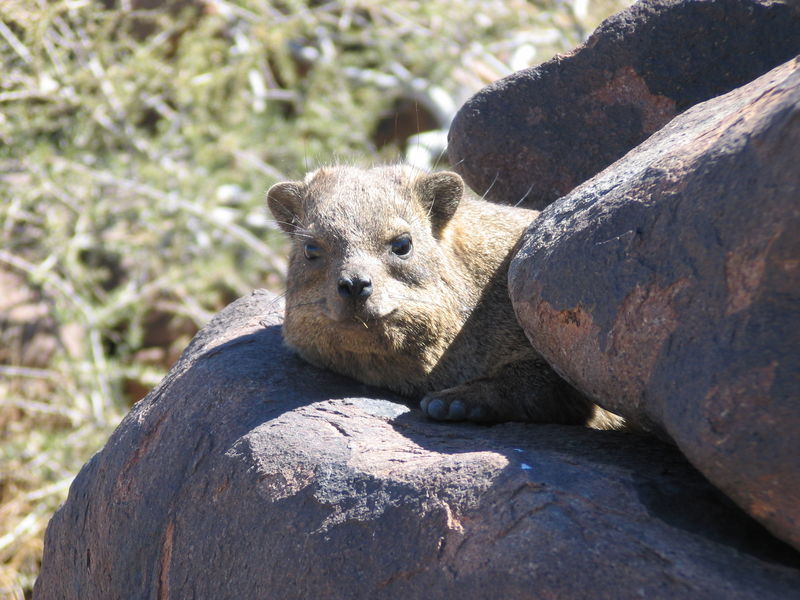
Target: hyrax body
x,y
399,280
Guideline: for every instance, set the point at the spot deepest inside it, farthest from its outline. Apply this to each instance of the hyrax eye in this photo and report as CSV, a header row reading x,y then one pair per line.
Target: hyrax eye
x,y
312,251
401,245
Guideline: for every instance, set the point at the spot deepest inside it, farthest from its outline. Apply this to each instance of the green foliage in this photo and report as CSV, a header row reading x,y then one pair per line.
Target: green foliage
x,y
135,147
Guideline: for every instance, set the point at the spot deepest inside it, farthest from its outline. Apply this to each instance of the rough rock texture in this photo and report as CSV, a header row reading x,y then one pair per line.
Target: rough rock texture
x,y
668,289
542,131
249,474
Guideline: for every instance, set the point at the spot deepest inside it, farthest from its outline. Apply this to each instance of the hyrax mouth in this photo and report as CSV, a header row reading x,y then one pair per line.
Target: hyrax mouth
x,y
360,315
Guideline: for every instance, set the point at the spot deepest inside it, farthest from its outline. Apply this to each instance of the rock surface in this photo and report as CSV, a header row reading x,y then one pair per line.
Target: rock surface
x,y
668,289
542,131
249,474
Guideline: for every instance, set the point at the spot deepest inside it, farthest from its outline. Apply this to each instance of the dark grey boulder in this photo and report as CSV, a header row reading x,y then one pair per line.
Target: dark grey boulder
x,y
668,289
249,474
540,132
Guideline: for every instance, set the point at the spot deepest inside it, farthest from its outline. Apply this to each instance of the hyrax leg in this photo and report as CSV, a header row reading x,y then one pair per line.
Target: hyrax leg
x,y
528,391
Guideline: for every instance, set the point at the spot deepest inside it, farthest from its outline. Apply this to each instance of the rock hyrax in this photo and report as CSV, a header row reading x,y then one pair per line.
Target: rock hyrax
x,y
398,279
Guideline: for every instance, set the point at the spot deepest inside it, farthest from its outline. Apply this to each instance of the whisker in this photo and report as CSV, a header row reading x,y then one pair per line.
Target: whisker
x,y
489,189
273,302
405,300
321,301
525,195
298,229
287,223
441,155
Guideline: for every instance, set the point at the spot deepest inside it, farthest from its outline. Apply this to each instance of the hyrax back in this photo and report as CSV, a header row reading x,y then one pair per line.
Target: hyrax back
x,y
399,280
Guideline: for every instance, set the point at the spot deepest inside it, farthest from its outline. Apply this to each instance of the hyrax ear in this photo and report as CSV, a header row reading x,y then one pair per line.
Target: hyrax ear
x,y
439,193
285,203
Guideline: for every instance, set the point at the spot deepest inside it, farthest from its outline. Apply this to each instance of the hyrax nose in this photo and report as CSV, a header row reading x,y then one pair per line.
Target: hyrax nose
x,y
355,287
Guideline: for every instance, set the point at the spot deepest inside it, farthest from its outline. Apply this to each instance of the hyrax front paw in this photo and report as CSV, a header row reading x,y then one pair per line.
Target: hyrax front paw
x,y
448,406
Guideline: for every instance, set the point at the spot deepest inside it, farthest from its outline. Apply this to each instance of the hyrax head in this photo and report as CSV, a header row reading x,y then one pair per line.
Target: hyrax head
x,y
366,244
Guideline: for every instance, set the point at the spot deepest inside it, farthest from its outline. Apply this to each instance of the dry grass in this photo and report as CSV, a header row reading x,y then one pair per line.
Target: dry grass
x,y
135,145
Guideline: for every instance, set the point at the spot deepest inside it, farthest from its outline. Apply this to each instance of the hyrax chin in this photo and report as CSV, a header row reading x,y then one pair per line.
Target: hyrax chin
x,y
399,280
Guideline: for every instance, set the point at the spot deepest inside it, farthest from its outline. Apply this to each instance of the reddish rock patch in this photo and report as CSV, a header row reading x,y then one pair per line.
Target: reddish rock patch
x,y
535,135
666,288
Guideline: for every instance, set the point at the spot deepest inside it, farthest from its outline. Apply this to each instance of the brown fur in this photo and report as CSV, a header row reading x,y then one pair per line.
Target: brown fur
x,y
436,323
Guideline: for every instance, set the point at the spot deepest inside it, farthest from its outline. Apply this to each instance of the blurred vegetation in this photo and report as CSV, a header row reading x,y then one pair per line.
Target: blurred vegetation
x,y
136,140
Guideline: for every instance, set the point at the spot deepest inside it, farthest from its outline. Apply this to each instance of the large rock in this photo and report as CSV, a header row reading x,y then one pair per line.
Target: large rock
x,y
249,474
668,289
542,131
